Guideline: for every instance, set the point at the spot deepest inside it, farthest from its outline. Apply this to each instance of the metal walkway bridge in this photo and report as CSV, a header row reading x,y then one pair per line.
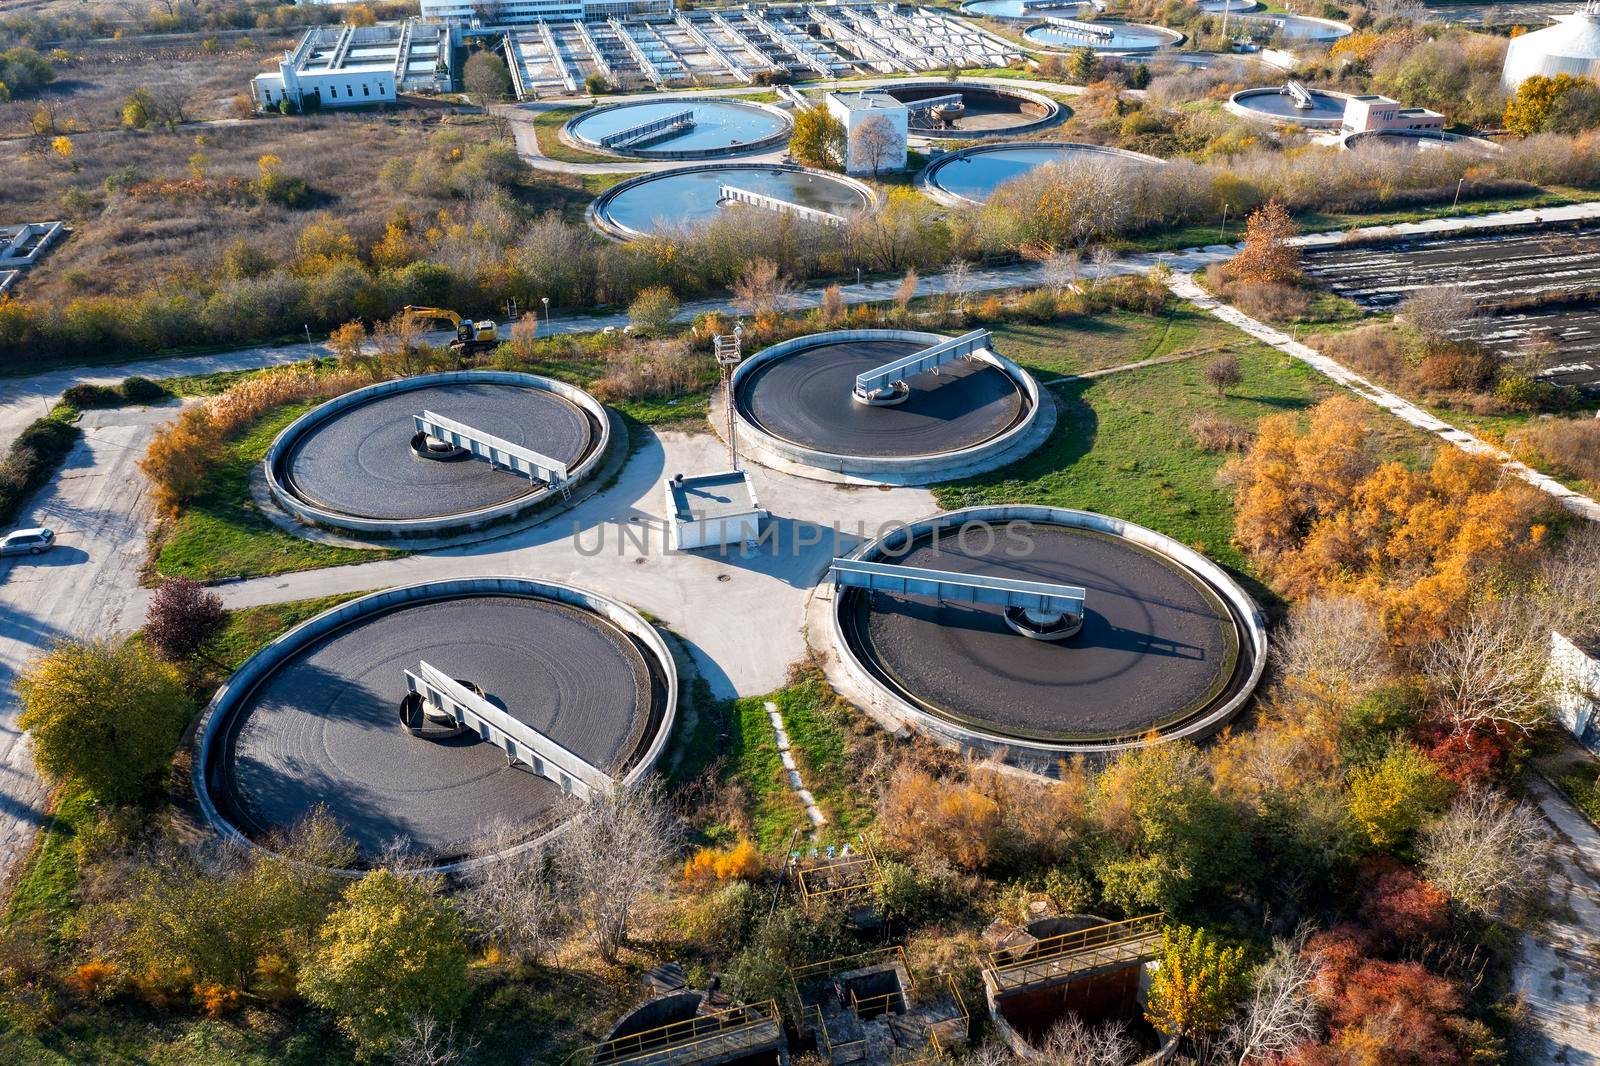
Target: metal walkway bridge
x,y
1080,953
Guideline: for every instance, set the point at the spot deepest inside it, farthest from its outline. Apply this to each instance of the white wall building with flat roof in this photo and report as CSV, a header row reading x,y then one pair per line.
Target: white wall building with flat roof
x,y
355,66
876,130
524,12
1368,114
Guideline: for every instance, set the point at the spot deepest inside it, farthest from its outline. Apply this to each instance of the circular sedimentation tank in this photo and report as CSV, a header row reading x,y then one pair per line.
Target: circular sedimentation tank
x,y
1217,7
313,720
1417,141
1170,645
688,196
1124,38
986,110
796,404
1299,29
720,127
969,176
1274,105
1026,10
356,463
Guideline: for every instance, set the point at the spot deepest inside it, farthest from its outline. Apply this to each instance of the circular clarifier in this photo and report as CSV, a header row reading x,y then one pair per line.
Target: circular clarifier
x,y
317,724
691,196
356,462
796,402
1025,10
972,174
1169,643
1122,38
1274,105
719,127
985,110
1300,28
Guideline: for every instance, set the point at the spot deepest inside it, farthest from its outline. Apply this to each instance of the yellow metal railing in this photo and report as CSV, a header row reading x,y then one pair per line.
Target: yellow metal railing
x,y
1052,956
685,1039
858,873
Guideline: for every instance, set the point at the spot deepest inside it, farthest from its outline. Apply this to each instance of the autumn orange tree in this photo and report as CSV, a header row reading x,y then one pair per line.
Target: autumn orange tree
x,y
1319,512
1267,255
1529,107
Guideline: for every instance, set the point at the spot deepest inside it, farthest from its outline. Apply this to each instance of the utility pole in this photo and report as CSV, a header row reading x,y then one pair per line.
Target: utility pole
x,y
727,349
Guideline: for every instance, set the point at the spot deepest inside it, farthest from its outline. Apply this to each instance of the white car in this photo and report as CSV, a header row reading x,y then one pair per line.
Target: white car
x,y
27,542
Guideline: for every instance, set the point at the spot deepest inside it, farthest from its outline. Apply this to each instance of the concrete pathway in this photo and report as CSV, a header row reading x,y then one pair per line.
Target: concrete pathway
x,y
740,615
86,587
1558,975
1184,285
780,733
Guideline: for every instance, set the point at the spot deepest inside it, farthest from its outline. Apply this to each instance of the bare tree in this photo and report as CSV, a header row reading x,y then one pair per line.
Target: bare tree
x,y
875,145
761,287
906,292
1073,1042
1103,258
1442,312
613,857
1568,594
1060,268
1487,851
514,900
1333,647
1282,1013
957,279
427,1043
1491,669
1223,373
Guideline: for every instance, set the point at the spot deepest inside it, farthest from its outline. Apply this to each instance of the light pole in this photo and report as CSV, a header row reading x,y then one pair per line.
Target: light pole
x,y
1457,200
729,351
546,301
1222,237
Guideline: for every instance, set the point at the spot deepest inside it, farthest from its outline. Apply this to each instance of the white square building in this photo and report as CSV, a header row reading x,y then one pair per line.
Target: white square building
x,y
876,130
1365,114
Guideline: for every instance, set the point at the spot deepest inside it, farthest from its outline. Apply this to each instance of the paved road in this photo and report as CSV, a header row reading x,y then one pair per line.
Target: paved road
x,y
83,588
1558,975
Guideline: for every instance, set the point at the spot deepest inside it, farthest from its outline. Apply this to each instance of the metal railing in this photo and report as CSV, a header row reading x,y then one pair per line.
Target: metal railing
x,y
645,130
1074,28
1061,956
499,452
734,194
929,358
517,739
965,588
1298,94
685,1040
859,872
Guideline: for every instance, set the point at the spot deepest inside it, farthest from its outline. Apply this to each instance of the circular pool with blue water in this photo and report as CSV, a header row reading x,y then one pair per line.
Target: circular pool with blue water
x,y
969,176
671,200
1120,38
717,127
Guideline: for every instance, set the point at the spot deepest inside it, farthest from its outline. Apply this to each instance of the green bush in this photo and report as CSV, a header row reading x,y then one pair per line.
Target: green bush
x,y
87,396
143,390
33,459
1584,788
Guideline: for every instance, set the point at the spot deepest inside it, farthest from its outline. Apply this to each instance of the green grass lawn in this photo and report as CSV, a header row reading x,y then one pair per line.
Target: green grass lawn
x,y
1582,786
221,534
739,734
1122,444
1111,339
547,129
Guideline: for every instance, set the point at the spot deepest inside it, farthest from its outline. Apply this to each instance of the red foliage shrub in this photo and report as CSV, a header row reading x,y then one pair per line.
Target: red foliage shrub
x,y
1397,905
183,615
1473,756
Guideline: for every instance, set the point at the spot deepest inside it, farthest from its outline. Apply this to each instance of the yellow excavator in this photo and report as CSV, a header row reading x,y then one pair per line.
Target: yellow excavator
x,y
471,337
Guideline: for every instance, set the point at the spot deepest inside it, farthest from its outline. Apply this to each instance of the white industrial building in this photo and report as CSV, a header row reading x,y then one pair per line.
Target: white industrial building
x,y
354,66
1571,46
876,127
525,12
